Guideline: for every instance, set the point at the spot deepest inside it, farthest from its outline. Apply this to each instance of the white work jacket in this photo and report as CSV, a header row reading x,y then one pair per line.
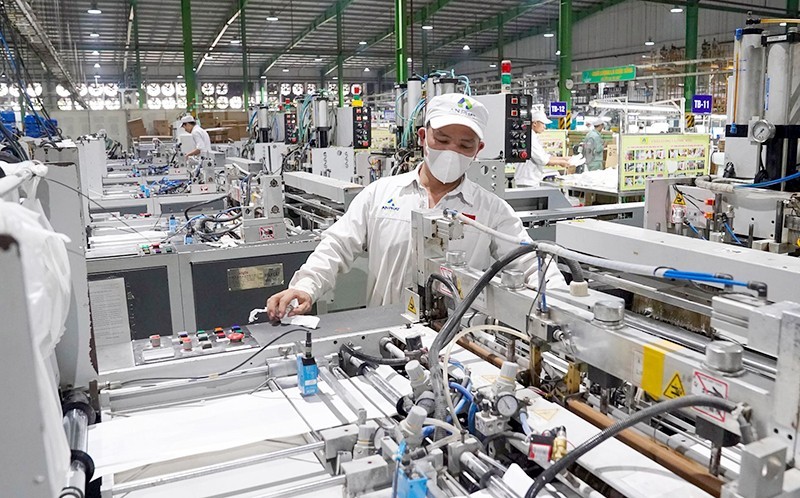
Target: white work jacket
x,y
201,141
531,172
378,222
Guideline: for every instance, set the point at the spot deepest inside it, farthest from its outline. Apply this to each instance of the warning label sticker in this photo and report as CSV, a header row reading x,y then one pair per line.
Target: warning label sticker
x,y
710,386
675,387
411,307
679,200
267,232
449,275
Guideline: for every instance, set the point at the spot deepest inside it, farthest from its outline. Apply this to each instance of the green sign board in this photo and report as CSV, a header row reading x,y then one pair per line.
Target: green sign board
x,y
604,75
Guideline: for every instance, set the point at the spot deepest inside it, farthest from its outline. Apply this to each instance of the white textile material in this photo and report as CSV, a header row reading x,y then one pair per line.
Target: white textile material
x,y
608,178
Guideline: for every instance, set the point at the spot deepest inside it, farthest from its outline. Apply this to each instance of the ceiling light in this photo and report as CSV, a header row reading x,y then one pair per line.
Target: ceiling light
x,y
492,65
263,76
649,42
465,47
95,52
272,18
645,57
317,59
285,70
549,35
362,42
94,9
782,25
235,42
427,27
94,35
208,57
558,52
97,65
408,60
180,76
676,10
366,69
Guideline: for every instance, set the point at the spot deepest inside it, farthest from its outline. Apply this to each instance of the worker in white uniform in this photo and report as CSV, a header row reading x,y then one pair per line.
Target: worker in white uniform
x,y
202,142
378,221
531,172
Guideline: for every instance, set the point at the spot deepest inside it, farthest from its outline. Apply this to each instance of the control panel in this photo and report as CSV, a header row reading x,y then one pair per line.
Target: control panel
x,y
156,248
159,348
354,127
290,127
508,132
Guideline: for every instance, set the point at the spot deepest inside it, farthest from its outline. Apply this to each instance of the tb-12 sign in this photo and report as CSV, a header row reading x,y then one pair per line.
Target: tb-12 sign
x,y
558,109
702,104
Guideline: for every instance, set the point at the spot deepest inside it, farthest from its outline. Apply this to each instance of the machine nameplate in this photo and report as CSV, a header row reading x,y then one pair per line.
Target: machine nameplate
x,y
255,277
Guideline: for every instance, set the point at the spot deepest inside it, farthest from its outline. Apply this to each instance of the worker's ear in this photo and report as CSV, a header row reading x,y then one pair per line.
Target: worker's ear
x,y
421,134
480,147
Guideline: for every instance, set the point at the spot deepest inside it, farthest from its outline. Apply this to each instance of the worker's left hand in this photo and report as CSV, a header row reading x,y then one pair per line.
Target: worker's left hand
x,y
278,303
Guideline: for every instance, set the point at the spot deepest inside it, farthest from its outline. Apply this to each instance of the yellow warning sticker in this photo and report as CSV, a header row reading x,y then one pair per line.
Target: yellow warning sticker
x,y
675,387
679,200
411,308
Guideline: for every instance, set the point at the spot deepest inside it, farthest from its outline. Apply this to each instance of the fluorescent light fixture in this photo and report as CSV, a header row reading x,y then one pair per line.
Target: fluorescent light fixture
x,y
465,47
94,35
263,76
427,27
208,56
782,25
619,106
336,77
493,65
366,69
272,18
97,65
558,52
235,41
317,59
408,59
285,70
676,10
180,76
549,35
95,52
362,42
649,42
94,9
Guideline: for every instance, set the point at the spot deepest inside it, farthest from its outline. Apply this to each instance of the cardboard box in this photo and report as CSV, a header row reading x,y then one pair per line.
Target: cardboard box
x,y
136,128
162,127
612,156
238,116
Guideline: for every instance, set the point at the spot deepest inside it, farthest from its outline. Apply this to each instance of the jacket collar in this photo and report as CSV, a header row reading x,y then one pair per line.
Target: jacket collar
x,y
466,189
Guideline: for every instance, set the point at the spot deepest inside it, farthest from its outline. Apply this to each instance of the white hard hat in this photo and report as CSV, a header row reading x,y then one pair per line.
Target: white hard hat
x,y
187,119
541,117
457,108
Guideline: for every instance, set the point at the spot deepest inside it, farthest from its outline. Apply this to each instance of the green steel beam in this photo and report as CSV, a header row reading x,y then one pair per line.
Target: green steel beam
x,y
243,39
793,8
400,40
137,70
761,11
565,23
417,17
690,82
188,58
339,57
330,13
424,52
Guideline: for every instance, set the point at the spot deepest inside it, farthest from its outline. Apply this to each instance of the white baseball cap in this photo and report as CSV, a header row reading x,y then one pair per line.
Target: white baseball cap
x,y
187,119
457,109
541,117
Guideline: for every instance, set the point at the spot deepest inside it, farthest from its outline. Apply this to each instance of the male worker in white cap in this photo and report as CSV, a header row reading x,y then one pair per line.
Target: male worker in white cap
x,y
531,172
202,142
378,221
593,144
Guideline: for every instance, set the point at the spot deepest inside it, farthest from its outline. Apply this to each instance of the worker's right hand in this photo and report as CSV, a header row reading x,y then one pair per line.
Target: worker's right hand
x,y
277,304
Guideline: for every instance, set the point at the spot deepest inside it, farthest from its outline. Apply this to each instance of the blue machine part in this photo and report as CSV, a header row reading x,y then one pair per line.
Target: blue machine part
x,y
411,487
307,373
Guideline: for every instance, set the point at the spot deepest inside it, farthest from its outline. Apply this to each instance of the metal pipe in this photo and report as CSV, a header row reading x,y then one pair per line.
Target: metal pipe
x,y
243,40
713,462
343,393
217,468
76,428
381,384
307,488
389,346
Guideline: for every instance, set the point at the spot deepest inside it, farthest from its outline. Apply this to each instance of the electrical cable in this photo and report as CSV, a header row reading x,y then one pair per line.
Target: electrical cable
x,y
215,375
204,203
611,431
451,287
377,360
693,229
501,435
733,235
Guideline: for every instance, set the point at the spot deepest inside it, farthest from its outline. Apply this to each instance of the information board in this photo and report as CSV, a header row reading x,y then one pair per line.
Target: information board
x,y
554,142
608,74
661,156
702,104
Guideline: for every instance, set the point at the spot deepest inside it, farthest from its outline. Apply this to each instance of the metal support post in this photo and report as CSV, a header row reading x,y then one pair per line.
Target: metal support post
x,y
188,58
137,70
245,72
690,82
501,41
400,40
565,46
425,68
340,55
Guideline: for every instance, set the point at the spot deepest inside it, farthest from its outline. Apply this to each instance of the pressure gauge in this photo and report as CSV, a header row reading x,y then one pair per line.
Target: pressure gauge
x,y
763,130
507,405
568,83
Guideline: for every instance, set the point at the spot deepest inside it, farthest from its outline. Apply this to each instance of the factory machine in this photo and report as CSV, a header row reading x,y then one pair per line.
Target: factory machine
x,y
634,379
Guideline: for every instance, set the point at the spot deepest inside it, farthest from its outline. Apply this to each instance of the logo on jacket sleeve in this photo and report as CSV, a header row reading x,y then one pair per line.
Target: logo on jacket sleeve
x,y
390,206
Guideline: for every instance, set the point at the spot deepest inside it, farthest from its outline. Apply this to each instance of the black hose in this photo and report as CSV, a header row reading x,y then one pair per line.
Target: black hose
x,y
211,201
450,328
501,435
611,431
575,269
377,360
444,281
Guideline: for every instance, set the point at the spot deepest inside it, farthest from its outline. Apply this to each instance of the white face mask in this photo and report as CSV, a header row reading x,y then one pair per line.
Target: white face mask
x,y
446,165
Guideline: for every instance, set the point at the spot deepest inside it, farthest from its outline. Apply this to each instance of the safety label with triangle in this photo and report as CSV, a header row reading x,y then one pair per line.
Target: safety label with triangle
x,y
411,307
679,200
675,387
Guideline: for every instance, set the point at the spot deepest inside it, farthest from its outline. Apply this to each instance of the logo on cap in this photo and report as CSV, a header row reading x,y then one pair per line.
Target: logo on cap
x,y
464,103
